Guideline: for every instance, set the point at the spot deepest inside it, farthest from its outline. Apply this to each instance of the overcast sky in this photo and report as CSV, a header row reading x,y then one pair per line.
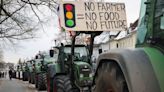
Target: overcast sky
x,y
27,49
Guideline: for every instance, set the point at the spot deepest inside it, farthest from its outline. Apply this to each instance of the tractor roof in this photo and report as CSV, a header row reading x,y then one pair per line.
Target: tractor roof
x,y
77,45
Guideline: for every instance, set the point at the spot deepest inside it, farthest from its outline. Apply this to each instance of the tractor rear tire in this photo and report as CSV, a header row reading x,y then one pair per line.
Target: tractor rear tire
x,y
36,80
41,81
29,78
110,78
25,76
62,83
49,84
33,78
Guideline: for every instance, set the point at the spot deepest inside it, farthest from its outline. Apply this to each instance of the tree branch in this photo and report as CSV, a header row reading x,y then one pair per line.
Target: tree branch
x,y
31,3
10,15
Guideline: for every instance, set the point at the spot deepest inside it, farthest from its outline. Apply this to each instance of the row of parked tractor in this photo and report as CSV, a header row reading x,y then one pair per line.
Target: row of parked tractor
x,y
57,70
68,68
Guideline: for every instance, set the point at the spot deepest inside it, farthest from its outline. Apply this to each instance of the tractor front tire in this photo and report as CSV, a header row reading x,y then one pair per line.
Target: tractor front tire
x,y
110,78
62,83
41,81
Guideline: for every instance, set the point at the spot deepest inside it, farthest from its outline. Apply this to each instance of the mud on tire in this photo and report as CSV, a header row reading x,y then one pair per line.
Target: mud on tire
x,y
41,81
110,78
36,80
62,83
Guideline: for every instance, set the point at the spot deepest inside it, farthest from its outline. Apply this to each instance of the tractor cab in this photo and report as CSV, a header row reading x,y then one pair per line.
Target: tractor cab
x,y
159,23
50,57
29,65
80,53
25,67
151,24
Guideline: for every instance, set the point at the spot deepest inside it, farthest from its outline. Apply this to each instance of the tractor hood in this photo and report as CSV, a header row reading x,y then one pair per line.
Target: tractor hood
x,y
83,67
83,74
49,60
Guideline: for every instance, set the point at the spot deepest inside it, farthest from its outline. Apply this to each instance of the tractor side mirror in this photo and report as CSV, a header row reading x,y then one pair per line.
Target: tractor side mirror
x,y
36,57
147,3
162,21
100,51
51,53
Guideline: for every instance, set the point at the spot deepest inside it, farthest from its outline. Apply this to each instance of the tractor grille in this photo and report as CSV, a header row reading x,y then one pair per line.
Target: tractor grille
x,y
85,71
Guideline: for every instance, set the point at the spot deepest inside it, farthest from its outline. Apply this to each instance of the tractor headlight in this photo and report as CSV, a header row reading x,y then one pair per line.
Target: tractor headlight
x,y
90,75
65,59
81,75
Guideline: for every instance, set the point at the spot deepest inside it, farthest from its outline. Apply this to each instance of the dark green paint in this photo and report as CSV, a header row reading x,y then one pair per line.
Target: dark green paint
x,y
157,61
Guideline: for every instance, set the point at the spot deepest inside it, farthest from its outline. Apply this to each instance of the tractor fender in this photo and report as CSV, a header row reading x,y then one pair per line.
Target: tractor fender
x,y
136,67
51,70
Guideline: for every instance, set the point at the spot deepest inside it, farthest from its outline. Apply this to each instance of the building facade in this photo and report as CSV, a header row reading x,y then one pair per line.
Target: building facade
x,y
128,41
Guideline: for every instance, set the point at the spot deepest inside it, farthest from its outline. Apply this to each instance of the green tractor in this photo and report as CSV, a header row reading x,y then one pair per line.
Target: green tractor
x,y
70,72
41,62
31,74
40,71
25,71
140,69
18,71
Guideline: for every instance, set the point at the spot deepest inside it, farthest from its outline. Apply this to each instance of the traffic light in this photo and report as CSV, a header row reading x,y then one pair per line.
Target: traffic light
x,y
69,15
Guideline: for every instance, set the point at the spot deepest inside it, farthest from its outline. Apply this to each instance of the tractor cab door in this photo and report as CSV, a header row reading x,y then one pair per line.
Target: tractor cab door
x,y
151,24
158,24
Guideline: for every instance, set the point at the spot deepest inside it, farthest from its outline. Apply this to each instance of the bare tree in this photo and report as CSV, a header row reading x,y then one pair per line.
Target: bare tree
x,y
2,63
19,19
1,55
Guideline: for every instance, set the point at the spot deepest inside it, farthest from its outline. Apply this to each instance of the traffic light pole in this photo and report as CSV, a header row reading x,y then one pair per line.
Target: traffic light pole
x,y
72,61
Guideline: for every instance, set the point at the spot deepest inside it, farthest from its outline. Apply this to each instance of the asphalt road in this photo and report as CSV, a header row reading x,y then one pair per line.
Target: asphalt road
x,y
15,85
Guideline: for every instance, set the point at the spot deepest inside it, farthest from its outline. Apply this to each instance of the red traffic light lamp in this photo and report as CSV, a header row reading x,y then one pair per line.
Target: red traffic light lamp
x,y
69,15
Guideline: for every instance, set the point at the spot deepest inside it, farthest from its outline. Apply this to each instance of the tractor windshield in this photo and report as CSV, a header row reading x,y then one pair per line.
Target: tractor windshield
x,y
81,50
29,64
